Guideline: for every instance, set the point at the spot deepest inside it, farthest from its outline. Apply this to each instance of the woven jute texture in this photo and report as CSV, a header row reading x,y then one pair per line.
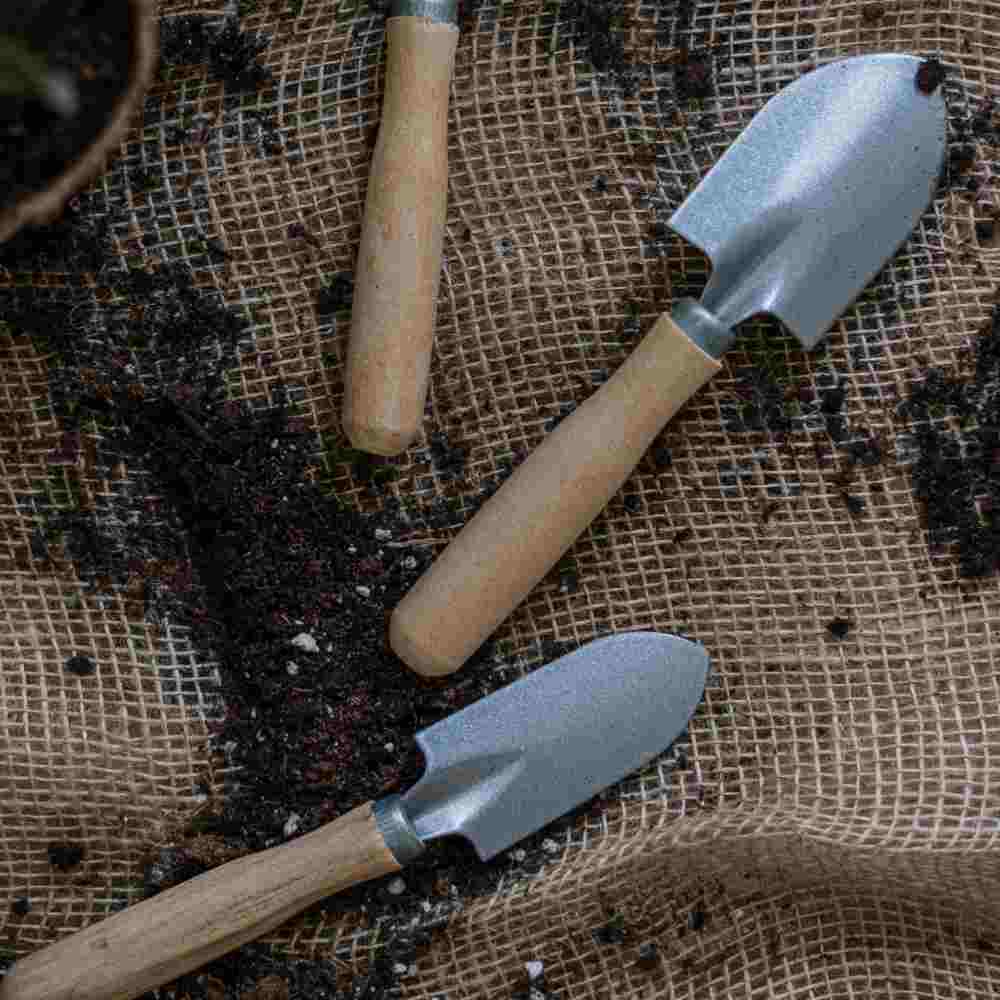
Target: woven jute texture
x,y
837,821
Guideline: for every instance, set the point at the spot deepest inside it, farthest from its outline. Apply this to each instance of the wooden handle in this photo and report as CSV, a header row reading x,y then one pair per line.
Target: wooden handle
x,y
399,259
525,527
183,928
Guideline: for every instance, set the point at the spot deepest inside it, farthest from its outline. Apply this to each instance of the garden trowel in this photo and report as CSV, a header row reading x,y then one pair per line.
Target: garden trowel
x,y
495,772
824,184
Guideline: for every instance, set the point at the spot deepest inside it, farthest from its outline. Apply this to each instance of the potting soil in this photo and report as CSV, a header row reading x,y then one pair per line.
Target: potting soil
x,y
197,570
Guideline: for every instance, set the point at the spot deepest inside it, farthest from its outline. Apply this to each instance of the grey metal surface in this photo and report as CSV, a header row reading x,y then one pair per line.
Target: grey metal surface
x,y
821,188
703,327
513,761
397,830
434,10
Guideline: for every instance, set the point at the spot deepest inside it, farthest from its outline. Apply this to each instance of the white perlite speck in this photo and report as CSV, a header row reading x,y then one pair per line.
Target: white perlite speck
x,y
549,846
363,591
305,641
292,824
382,534
292,668
535,969
397,887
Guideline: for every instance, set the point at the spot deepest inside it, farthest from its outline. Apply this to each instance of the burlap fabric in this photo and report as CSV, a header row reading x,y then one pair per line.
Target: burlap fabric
x,y
837,823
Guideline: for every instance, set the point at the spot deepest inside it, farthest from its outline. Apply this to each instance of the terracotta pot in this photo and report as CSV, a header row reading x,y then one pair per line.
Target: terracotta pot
x,y
47,205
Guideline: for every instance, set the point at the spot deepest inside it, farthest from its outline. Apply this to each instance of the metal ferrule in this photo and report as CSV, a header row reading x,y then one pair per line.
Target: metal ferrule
x,y
712,336
396,829
444,11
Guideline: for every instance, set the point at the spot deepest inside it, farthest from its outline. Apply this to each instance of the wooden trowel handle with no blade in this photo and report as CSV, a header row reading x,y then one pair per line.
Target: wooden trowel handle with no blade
x,y
399,258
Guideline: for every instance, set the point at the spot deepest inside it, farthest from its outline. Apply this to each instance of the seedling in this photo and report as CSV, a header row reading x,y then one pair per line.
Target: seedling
x,y
26,75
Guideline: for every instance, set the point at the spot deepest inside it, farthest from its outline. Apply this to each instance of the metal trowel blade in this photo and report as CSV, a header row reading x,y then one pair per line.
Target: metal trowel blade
x,y
822,187
517,759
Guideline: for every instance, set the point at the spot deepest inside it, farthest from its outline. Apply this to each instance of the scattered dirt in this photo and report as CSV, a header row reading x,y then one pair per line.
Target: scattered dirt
x,y
230,53
227,522
254,972
839,627
597,30
694,67
88,41
872,14
221,516
930,75
335,296
82,666
648,956
230,528
955,425
693,75
65,857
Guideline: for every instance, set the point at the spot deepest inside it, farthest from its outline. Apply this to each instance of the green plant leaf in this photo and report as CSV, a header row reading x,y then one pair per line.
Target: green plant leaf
x,y
25,73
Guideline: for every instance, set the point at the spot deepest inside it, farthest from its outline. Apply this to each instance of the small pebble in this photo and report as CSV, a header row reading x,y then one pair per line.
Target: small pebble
x,y
306,642
400,969
292,668
364,591
396,887
390,747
